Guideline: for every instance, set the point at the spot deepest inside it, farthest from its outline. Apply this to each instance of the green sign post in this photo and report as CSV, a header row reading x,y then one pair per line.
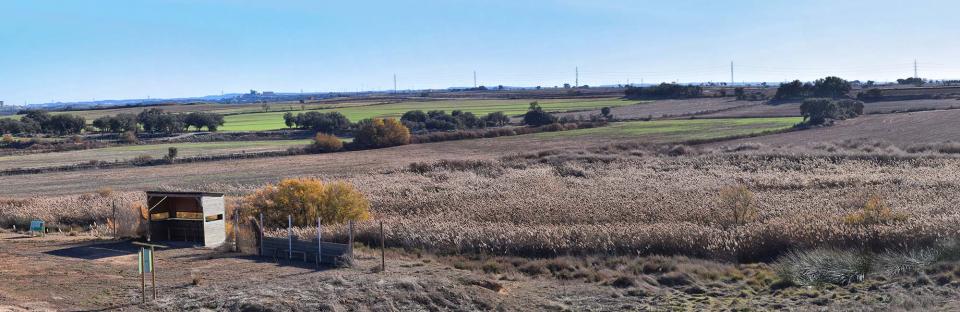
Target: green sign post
x,y
37,227
145,264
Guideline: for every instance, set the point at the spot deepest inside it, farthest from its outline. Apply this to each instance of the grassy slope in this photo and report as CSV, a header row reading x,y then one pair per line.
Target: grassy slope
x,y
274,120
683,130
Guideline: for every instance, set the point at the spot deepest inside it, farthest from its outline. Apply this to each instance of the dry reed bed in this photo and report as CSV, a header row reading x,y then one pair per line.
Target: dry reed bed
x,y
636,201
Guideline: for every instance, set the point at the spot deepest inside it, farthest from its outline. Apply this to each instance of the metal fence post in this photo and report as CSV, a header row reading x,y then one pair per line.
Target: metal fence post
x,y
289,237
261,234
319,242
351,241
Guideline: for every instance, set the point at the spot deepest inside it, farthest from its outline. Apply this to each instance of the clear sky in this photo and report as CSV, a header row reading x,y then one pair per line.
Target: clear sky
x,y
83,50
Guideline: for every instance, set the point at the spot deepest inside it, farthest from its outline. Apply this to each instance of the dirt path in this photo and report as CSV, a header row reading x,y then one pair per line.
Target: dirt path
x,y
70,273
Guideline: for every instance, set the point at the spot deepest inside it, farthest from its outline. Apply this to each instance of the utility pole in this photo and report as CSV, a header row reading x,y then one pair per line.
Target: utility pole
x,y
474,79
915,69
394,83
576,80
731,73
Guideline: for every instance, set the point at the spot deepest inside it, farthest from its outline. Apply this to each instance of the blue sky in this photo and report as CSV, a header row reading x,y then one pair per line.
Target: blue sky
x,y
83,50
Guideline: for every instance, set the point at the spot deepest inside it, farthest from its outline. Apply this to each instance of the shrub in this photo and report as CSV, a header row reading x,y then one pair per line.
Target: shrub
x,y
104,191
822,266
536,116
129,137
306,200
497,119
737,206
377,132
171,153
7,139
325,143
874,212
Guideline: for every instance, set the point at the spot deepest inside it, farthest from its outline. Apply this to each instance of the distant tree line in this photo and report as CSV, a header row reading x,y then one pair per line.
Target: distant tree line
x,y
438,120
829,87
332,122
157,120
664,91
911,81
40,121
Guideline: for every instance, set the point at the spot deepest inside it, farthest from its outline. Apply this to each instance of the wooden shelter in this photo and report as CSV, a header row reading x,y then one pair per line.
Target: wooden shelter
x,y
186,216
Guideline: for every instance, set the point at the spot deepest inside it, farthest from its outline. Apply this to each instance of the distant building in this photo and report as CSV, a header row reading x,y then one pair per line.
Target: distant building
x,y
268,93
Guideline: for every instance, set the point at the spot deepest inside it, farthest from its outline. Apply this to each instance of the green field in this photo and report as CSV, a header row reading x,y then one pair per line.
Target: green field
x,y
121,153
274,120
683,129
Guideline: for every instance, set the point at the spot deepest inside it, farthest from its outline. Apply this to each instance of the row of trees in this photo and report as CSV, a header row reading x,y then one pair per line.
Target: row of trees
x,y
332,122
829,87
157,120
39,121
457,120
664,91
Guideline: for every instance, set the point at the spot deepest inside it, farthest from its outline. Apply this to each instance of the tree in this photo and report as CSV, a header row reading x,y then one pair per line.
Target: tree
x,y
150,119
65,124
535,116
332,122
171,154
831,87
605,111
738,206
38,117
306,200
377,132
817,111
289,119
792,90
198,120
415,116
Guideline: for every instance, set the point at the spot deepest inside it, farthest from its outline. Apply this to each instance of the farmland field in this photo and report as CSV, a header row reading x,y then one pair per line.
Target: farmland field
x,y
274,120
665,131
156,151
902,129
793,109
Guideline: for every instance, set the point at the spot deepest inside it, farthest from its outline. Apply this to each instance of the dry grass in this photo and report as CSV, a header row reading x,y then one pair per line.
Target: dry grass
x,y
630,200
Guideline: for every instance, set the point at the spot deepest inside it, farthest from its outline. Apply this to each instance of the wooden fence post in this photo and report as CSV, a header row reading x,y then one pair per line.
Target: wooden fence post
x,y
236,230
289,237
113,204
261,234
